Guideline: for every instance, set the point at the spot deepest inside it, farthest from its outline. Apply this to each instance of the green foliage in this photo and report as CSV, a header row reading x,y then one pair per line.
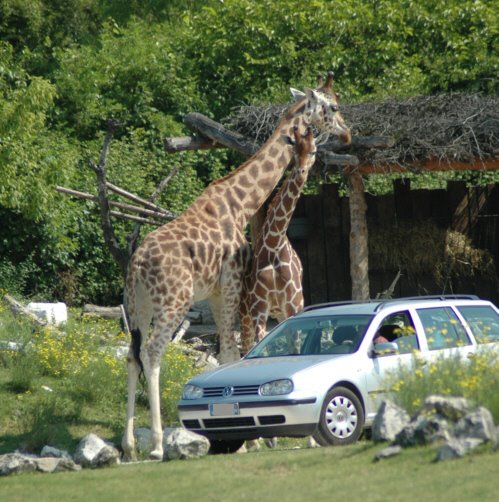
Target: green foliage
x,y
476,379
45,419
32,157
178,368
134,75
66,68
57,376
60,379
377,49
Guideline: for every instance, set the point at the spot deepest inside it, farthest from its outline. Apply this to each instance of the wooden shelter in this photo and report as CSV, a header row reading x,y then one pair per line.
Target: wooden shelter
x,y
452,132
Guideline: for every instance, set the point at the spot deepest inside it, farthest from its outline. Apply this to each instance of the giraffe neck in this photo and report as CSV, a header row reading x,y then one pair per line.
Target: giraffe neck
x,y
282,207
247,188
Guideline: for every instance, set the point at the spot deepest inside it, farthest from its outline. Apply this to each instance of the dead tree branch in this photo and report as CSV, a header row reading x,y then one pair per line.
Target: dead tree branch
x,y
146,203
220,134
18,308
120,255
127,207
182,143
136,219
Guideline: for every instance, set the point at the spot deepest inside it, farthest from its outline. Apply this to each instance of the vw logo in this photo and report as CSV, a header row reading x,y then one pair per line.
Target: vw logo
x,y
228,391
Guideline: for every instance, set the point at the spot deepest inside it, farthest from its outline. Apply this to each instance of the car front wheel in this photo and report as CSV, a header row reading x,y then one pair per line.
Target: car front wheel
x,y
342,418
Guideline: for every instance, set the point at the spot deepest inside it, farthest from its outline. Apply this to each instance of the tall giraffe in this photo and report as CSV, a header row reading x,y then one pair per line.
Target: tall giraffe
x,y
273,286
203,253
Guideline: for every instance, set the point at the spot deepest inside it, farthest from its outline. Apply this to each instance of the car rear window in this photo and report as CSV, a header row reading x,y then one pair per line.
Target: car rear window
x,y
483,322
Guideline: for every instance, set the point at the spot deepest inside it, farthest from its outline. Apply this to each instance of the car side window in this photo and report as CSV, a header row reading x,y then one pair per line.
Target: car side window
x,y
442,328
398,328
483,322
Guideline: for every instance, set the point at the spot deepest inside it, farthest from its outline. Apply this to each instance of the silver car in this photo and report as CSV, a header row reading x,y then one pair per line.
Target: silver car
x,y
321,372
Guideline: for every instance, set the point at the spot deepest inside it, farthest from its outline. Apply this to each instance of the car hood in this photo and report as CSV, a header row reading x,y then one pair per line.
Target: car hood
x,y
260,370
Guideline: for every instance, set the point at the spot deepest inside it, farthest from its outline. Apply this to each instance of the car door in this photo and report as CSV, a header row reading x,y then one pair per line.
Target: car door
x,y
445,335
403,343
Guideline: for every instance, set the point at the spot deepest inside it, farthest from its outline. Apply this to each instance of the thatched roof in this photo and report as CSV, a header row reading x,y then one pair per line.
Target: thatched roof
x,y
450,128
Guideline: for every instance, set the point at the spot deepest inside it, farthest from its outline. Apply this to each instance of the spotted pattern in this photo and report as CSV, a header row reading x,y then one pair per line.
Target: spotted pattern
x,y
273,285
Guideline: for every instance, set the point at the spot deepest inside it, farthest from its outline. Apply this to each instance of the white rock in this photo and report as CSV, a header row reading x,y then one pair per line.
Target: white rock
x,y
184,444
88,449
52,313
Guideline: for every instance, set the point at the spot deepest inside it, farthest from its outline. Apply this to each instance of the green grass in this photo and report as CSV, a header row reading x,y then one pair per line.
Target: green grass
x,y
347,473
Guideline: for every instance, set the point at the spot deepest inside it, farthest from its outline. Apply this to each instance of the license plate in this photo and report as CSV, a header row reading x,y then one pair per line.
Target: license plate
x,y
224,409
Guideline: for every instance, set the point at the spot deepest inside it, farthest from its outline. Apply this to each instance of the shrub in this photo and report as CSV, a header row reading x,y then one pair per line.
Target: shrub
x,y
45,419
476,379
178,367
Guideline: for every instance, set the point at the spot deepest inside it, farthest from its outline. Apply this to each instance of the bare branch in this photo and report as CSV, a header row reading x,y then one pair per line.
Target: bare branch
x,y
18,308
180,144
120,255
137,219
121,205
220,134
139,200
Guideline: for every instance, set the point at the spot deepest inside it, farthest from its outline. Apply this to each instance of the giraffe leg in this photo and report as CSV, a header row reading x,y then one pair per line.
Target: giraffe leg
x,y
128,440
247,329
259,317
152,370
224,313
229,351
140,312
260,328
166,320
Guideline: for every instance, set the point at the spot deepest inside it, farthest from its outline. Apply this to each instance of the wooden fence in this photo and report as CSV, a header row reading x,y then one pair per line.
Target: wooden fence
x,y
320,229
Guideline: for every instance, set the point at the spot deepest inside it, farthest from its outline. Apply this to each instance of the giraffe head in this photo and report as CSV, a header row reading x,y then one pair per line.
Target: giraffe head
x,y
304,149
322,108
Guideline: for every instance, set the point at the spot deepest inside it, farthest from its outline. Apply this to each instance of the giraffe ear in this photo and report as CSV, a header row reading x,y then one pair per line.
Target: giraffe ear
x,y
311,95
297,95
287,140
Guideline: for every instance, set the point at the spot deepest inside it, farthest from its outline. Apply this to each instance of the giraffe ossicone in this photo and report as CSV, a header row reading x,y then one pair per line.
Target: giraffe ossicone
x,y
203,254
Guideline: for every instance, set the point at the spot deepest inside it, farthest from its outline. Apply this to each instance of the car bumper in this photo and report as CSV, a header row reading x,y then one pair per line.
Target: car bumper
x,y
278,418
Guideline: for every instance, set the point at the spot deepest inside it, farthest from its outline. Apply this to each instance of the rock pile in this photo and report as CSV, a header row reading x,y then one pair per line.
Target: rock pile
x,y
451,423
94,452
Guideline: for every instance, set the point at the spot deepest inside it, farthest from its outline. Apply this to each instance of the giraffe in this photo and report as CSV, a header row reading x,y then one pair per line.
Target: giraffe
x,y
202,254
273,285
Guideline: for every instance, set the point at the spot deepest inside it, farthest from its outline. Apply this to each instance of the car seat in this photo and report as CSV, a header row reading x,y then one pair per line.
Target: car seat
x,y
345,334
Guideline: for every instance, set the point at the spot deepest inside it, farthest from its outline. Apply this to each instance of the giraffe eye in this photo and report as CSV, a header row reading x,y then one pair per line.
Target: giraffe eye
x,y
334,108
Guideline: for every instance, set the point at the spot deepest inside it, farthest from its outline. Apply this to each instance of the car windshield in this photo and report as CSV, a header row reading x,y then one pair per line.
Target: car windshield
x,y
332,334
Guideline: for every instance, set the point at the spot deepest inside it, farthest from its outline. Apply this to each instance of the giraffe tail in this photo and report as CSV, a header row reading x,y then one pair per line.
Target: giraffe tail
x,y
135,344
136,337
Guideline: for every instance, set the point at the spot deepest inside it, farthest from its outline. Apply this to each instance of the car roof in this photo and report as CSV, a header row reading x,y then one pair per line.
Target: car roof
x,y
372,307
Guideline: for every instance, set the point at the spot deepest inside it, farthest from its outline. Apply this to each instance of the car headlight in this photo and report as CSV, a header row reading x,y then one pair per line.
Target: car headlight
x,y
192,392
276,388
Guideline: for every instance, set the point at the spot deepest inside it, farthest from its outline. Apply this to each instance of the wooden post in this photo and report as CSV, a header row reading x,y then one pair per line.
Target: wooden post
x,y
359,257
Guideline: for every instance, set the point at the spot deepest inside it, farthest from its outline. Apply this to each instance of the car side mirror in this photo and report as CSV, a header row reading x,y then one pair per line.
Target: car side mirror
x,y
385,349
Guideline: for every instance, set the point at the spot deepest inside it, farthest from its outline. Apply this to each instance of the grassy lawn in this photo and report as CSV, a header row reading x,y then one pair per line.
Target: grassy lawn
x,y
347,473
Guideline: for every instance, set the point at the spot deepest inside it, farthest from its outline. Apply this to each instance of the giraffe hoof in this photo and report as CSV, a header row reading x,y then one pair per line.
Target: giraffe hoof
x,y
156,455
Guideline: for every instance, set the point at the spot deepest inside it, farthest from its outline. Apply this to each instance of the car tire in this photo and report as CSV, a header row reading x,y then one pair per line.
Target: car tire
x,y
342,418
219,446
